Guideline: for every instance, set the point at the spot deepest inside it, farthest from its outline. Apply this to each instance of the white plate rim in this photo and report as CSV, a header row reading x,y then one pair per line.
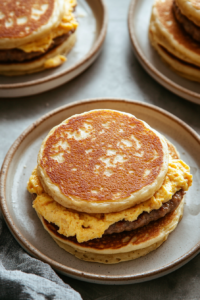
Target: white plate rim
x,y
95,49
148,66
88,276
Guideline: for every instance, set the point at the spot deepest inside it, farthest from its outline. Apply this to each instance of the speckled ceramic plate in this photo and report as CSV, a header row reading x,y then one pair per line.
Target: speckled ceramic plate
x,y
182,245
138,23
91,32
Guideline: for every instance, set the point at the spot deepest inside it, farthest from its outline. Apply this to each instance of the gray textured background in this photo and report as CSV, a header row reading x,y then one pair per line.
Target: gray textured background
x,y
116,73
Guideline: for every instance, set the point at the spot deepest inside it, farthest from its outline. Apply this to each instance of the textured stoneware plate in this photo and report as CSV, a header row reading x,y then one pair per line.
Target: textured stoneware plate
x,y
182,245
91,32
138,23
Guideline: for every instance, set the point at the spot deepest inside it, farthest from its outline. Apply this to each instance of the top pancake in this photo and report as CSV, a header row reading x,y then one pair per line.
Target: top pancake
x,y
102,161
168,33
190,9
23,21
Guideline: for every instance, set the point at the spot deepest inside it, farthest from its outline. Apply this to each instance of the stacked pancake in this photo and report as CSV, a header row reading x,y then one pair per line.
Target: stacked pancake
x,y
174,32
109,187
34,35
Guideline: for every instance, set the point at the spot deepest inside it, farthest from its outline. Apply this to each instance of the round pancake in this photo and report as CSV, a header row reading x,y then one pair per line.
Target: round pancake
x,y
23,21
102,161
120,246
39,64
190,9
180,51
108,258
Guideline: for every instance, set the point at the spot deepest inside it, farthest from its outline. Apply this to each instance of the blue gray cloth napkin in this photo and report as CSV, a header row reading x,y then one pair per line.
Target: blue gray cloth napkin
x,y
24,277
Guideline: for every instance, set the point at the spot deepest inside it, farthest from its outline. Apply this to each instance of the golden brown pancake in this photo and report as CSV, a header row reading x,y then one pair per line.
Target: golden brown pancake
x,y
15,10
21,20
35,34
102,161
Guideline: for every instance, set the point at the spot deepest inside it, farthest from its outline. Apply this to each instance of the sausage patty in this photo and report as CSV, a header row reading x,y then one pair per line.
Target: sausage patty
x,y
145,218
192,29
16,55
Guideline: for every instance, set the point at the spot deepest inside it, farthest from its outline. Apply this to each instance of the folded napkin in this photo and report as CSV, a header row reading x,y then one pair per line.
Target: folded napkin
x,y
24,277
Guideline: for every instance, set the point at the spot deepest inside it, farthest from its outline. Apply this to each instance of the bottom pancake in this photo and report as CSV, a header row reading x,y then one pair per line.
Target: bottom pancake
x,y
41,63
118,247
181,67
109,258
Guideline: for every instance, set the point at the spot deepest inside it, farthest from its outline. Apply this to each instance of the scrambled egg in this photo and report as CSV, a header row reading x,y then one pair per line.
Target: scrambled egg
x,y
54,62
67,24
89,226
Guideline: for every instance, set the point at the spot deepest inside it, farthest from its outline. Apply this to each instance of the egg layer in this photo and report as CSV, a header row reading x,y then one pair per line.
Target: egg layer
x,y
89,226
67,24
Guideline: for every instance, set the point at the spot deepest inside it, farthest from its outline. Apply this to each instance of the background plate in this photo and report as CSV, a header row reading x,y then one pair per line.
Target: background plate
x,y
16,203
138,23
91,32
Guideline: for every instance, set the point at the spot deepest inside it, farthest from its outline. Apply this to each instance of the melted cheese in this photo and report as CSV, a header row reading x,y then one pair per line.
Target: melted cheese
x,y
89,226
67,24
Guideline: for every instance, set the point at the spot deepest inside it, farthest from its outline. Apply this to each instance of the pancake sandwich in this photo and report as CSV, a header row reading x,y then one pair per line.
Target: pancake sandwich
x,y
174,32
108,188
35,35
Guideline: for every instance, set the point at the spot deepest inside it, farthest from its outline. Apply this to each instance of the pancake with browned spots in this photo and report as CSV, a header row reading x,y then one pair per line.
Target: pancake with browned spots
x,y
21,21
179,50
102,161
35,34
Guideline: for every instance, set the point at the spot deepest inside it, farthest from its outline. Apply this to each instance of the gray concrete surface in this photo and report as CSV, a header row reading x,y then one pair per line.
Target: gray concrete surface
x,y
116,73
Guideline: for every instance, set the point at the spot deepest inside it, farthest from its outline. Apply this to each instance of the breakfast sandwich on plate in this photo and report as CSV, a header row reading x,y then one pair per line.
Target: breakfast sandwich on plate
x,y
174,31
108,188
35,35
